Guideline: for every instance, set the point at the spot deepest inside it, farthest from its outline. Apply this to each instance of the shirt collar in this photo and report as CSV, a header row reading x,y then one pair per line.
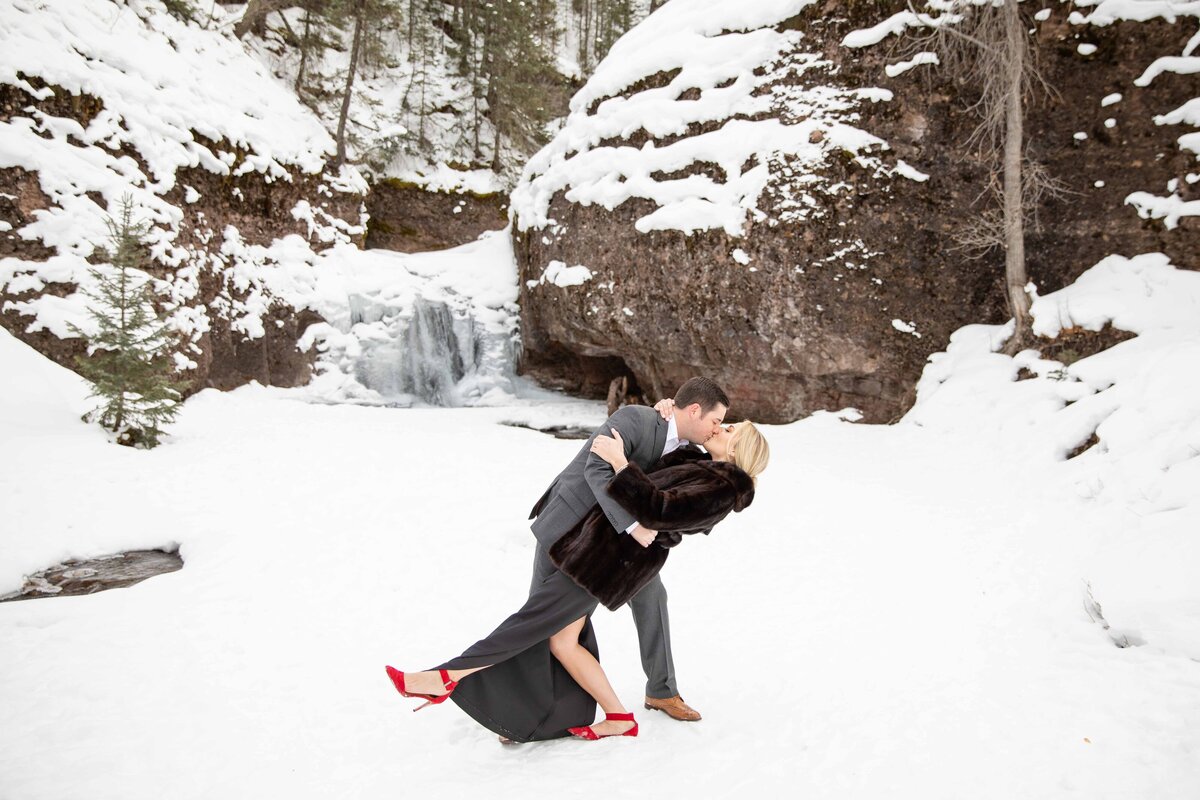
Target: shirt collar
x,y
673,431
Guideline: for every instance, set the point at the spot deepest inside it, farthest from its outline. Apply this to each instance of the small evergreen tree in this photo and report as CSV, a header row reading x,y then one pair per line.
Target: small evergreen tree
x,y
129,359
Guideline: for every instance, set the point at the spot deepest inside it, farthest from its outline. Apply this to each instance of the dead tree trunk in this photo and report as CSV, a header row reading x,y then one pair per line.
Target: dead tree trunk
x,y
355,47
1014,212
987,46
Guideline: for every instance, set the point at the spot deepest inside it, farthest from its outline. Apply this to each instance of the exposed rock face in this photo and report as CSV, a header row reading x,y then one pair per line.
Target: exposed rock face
x,y
409,219
844,280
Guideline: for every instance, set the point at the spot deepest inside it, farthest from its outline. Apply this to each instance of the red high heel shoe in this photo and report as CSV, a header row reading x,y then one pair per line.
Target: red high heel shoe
x,y
430,699
591,735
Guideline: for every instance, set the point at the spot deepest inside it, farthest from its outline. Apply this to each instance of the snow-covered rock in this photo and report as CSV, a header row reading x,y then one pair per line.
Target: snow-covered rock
x,y
829,147
105,100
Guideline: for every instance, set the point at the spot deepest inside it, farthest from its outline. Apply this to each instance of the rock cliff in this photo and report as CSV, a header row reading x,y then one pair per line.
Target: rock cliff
x,y
768,195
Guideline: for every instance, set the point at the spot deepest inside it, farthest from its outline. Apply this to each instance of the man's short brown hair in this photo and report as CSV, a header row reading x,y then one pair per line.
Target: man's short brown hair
x,y
704,391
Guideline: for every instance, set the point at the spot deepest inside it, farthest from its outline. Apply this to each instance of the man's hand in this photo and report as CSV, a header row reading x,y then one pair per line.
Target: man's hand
x,y
643,536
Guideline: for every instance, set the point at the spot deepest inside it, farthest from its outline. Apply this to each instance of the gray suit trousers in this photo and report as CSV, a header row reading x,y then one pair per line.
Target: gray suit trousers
x,y
649,607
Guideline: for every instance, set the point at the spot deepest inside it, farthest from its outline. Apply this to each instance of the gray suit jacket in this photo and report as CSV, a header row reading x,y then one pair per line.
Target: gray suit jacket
x,y
580,486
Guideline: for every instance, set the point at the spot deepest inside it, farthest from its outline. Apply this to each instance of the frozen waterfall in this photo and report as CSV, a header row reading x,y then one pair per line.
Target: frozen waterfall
x,y
426,352
400,329
430,354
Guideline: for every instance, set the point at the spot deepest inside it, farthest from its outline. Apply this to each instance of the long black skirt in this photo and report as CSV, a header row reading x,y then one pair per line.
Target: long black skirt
x,y
527,695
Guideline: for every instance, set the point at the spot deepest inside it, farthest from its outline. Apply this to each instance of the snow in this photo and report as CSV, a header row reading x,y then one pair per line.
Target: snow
x,y
1086,49
895,25
910,172
900,67
1170,209
559,274
1107,12
156,93
740,256
1109,99
716,48
922,626
921,618
442,178
1188,113
1179,65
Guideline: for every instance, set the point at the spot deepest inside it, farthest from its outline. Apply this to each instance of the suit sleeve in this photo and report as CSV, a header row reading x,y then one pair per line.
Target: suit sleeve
x,y
678,508
598,472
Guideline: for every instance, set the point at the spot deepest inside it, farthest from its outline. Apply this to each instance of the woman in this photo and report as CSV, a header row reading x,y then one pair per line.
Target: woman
x,y
538,675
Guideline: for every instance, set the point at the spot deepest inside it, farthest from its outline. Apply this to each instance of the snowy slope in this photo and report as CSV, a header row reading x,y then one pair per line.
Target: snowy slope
x,y
1138,487
412,115
900,613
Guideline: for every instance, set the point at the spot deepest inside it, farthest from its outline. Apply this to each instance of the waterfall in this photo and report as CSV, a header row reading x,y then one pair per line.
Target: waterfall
x,y
425,352
402,329
432,356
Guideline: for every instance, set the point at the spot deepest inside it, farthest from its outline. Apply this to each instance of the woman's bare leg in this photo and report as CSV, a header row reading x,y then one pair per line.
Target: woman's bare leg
x,y
430,682
588,673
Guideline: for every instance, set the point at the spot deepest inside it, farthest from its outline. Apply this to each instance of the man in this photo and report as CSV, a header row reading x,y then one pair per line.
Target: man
x,y
700,408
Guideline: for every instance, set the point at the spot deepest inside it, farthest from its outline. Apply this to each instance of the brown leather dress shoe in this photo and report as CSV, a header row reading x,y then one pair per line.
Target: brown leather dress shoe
x,y
674,707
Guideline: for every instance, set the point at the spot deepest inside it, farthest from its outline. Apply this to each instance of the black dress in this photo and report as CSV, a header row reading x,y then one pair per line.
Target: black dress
x,y
527,695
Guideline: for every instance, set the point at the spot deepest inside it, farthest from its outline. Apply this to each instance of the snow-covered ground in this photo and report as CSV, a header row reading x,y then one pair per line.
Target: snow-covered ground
x,y
901,612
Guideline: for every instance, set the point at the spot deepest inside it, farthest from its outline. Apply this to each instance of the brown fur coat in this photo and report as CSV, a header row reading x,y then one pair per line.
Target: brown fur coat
x,y
685,492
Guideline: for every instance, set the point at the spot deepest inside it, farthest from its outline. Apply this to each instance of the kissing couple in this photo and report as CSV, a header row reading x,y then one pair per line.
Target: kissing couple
x,y
604,530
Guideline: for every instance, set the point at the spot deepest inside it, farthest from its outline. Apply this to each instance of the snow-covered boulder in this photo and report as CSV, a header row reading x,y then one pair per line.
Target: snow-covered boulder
x,y
101,99
766,193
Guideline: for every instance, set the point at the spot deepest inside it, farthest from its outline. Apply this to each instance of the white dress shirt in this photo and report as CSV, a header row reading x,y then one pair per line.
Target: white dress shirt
x,y
673,443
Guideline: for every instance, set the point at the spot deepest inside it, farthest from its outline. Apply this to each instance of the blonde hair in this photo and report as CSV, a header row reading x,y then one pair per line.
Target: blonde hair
x,y
750,450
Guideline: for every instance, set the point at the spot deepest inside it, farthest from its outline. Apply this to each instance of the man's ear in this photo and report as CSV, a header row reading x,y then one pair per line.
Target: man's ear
x,y
694,411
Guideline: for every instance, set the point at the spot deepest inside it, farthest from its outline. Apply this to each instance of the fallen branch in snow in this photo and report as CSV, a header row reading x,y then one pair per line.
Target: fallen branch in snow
x,y
1092,607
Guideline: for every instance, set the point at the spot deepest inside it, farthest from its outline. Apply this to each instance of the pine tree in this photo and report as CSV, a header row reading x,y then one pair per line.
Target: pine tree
x,y
615,17
423,37
598,24
370,18
129,361
523,87
318,33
